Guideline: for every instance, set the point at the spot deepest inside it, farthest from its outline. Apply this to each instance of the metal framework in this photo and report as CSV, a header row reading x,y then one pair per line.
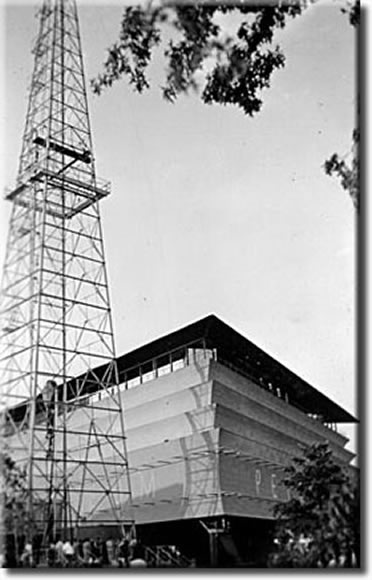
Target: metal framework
x,y
56,317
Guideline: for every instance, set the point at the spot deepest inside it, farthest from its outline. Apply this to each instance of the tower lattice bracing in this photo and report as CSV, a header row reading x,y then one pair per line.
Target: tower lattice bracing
x,y
57,344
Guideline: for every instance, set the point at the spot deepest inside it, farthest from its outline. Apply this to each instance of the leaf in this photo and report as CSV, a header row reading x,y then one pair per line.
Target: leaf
x,y
235,67
320,521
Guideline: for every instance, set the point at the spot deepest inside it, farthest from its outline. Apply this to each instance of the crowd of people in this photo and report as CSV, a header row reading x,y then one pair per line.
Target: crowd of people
x,y
90,553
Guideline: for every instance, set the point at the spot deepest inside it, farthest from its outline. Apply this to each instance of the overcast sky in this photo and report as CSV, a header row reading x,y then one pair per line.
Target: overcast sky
x,y
214,212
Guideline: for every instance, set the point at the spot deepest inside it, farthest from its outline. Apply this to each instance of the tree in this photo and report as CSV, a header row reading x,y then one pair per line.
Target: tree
x,y
320,523
352,9
14,506
200,54
347,173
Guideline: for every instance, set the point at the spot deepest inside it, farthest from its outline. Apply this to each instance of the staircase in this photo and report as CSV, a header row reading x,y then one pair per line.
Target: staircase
x,y
166,557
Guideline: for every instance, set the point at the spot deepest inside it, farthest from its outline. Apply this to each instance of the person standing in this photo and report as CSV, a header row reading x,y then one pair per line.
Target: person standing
x,y
137,555
110,549
102,551
78,554
68,552
60,557
123,553
26,556
87,555
51,555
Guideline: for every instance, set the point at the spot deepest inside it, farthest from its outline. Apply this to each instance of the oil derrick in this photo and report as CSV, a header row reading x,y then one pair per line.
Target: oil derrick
x,y
57,344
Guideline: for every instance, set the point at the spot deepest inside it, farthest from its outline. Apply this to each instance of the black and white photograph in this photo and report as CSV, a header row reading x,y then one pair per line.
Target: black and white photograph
x,y
181,337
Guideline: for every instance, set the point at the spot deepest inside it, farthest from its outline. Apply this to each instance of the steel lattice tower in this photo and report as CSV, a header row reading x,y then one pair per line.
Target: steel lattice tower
x,y
57,345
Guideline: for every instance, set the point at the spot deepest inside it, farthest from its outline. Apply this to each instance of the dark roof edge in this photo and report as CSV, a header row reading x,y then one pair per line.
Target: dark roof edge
x,y
226,339
211,327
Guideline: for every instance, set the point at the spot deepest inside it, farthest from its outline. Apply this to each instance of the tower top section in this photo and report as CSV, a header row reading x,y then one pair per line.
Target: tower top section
x,y
57,143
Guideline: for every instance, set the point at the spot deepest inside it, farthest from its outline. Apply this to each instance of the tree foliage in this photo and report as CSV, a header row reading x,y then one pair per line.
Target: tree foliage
x,y
336,165
202,54
199,51
352,9
347,173
15,493
14,501
320,523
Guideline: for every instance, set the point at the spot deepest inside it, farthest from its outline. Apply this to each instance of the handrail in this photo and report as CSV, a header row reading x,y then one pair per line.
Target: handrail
x,y
162,555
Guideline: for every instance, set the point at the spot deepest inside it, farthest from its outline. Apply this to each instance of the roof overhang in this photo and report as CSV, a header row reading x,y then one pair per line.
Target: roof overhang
x,y
233,348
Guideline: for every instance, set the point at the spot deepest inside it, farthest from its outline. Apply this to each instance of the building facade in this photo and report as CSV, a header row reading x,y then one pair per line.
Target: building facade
x,y
211,423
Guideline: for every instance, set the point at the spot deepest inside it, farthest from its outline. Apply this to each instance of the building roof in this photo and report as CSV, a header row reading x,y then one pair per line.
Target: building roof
x,y
243,356
233,350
